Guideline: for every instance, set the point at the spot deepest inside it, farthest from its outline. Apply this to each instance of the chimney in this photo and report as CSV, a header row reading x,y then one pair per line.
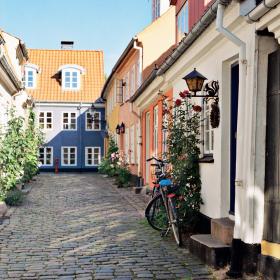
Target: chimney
x,y
67,45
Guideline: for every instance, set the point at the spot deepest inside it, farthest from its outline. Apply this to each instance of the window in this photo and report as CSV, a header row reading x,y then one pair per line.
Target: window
x,y
164,130
68,156
92,156
70,79
156,131
208,132
93,121
138,142
69,121
45,120
132,145
156,9
30,75
46,156
183,22
126,87
132,81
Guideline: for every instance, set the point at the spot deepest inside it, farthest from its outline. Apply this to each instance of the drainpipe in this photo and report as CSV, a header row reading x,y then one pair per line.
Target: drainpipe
x,y
236,261
140,70
140,49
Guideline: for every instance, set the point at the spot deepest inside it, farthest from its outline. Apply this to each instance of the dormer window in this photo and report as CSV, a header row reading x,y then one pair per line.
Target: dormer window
x,y
71,76
71,79
30,75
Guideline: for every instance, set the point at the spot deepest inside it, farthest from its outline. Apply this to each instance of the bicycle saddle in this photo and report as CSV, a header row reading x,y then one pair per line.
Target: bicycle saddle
x,y
165,182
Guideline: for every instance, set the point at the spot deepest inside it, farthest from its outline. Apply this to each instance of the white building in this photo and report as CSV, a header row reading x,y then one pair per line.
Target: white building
x,y
238,46
13,55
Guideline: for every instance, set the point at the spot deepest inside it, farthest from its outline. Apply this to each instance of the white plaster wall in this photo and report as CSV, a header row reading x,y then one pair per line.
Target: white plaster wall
x,y
213,55
11,44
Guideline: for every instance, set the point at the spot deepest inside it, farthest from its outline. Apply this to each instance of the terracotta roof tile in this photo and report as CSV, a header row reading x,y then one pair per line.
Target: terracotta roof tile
x,y
48,87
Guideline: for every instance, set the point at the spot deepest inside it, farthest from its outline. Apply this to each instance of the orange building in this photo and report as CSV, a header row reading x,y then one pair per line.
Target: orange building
x,y
124,81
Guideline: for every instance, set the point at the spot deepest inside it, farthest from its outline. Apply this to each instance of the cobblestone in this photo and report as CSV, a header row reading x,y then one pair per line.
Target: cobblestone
x,y
79,226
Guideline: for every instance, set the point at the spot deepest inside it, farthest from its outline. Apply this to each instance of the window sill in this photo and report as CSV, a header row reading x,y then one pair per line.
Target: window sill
x,y
206,159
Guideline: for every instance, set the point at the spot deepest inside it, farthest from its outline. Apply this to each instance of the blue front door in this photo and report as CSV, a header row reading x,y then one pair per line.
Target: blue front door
x,y
233,132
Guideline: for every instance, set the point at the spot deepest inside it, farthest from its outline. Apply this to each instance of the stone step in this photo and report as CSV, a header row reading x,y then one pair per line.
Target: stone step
x,y
222,229
210,250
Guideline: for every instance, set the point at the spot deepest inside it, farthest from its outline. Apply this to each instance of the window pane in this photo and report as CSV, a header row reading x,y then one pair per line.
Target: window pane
x,y
49,114
72,150
74,74
74,85
67,74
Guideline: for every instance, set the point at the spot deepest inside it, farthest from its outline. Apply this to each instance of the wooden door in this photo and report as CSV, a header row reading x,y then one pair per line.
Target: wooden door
x,y
272,164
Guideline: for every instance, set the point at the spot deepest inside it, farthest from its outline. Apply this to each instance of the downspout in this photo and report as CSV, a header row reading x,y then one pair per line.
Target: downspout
x,y
140,70
236,260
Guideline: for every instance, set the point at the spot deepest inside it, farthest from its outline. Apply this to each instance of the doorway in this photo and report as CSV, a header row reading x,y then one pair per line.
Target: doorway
x,y
233,132
147,148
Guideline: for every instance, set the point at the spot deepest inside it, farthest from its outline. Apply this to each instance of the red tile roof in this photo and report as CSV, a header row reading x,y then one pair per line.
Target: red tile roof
x,y
48,86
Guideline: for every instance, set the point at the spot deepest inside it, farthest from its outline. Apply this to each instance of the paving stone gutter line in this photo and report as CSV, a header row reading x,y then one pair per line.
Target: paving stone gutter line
x,y
131,197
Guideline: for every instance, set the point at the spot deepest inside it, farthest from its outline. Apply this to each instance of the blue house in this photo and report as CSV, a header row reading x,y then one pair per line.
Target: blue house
x,y
66,86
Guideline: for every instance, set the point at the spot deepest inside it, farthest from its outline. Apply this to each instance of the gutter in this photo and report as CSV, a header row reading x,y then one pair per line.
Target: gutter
x,y
118,63
261,10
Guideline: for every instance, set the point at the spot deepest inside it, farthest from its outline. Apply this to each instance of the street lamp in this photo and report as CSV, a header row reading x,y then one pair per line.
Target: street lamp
x,y
122,128
118,129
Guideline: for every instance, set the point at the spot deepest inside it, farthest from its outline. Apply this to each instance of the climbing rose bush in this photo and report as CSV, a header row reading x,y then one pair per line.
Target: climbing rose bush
x,y
183,126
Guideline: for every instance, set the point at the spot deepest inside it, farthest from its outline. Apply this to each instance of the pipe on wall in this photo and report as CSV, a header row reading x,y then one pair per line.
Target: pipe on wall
x,y
239,178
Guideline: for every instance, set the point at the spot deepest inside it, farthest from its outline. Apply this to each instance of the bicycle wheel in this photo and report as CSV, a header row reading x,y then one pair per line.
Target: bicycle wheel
x,y
174,220
156,214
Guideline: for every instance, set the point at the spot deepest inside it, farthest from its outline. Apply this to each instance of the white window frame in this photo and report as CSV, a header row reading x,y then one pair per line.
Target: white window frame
x,y
45,155
45,118
71,82
69,155
155,130
26,77
99,121
69,121
132,144
93,153
208,131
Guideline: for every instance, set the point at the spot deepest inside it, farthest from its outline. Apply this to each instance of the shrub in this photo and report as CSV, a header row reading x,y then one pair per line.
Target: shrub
x,y
14,197
124,176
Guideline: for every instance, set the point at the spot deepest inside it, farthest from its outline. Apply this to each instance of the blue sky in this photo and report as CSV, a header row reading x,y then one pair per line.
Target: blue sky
x,y
106,25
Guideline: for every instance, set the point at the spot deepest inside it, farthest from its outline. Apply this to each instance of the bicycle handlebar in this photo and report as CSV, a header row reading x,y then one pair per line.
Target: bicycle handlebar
x,y
156,159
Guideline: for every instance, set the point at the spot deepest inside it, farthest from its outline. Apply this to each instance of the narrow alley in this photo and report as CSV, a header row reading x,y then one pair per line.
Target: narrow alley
x,y
77,226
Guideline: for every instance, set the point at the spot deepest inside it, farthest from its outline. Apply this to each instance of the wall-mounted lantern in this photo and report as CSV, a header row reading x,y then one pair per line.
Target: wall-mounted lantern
x,y
195,81
118,129
122,128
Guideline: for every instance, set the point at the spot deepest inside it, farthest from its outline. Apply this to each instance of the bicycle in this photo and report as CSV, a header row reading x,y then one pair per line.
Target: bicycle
x,y
161,211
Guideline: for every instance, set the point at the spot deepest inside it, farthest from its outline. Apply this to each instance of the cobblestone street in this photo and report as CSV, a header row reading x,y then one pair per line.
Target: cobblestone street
x,y
77,226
